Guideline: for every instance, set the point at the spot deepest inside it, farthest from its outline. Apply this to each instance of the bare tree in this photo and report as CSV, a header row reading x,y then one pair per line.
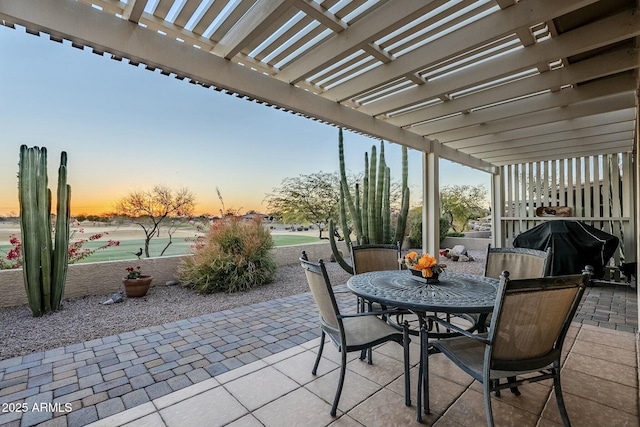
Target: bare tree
x,y
149,208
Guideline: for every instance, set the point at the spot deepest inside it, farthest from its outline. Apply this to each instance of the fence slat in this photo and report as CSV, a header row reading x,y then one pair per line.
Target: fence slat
x,y
560,189
588,211
605,190
597,188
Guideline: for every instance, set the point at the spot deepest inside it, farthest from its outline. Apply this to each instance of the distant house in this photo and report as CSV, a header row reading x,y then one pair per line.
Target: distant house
x,y
253,216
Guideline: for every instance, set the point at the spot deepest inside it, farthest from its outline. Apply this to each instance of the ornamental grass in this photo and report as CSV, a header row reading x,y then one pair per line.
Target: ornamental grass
x,y
233,256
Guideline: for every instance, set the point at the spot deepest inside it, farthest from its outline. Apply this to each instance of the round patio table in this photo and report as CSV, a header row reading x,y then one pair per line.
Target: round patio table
x,y
455,293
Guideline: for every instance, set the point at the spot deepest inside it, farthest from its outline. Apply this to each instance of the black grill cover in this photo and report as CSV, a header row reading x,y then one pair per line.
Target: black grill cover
x,y
574,244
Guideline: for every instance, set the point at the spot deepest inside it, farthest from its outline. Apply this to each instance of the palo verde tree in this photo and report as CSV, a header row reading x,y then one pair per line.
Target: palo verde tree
x,y
150,208
312,198
460,203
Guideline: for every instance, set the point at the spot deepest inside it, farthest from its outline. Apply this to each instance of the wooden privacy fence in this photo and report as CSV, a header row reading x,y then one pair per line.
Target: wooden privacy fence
x,y
598,190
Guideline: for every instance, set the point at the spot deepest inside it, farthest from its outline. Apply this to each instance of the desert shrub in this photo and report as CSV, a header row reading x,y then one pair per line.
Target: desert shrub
x,y
415,227
445,225
455,234
234,256
414,223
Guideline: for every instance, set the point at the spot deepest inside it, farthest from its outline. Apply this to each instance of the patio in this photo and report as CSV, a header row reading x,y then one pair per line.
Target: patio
x,y
542,95
251,366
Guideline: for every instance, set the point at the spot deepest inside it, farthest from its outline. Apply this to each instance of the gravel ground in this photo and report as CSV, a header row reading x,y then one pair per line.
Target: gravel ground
x,y
84,319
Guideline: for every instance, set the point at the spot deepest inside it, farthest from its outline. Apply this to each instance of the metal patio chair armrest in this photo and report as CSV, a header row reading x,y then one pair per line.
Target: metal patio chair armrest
x,y
460,330
368,313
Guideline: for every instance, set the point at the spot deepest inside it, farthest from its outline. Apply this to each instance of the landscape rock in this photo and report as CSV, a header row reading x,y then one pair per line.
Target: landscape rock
x,y
117,297
459,250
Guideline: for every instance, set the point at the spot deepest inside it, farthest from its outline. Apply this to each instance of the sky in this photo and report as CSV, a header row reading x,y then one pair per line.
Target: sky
x,y
126,129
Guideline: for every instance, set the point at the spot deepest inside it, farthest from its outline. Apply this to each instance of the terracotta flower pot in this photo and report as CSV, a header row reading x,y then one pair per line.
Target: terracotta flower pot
x,y
135,288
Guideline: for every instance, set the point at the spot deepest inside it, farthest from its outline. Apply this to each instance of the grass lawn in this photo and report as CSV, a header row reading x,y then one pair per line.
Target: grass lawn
x,y
129,247
286,240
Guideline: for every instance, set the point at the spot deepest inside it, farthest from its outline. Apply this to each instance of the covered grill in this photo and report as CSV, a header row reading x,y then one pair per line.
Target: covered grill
x,y
574,244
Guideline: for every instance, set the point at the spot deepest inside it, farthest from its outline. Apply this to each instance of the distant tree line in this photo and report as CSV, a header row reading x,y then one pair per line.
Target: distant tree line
x,y
94,218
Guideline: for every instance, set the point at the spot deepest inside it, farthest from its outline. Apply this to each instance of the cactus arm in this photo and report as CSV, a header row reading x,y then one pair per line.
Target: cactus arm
x,y
343,180
372,196
44,228
334,249
401,224
332,240
404,210
358,202
61,252
28,223
343,219
405,169
386,207
382,166
364,213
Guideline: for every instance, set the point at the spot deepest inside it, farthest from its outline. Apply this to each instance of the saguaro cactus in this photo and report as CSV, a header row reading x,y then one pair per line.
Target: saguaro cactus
x,y
45,261
370,212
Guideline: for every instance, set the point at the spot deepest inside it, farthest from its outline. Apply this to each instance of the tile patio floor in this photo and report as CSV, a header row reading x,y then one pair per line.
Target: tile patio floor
x,y
250,366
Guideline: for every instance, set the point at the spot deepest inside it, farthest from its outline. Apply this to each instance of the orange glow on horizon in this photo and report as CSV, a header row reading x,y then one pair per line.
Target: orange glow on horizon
x,y
99,207
94,199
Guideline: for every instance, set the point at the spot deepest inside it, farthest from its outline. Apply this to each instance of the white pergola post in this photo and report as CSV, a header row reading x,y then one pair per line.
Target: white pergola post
x,y
497,209
431,201
635,219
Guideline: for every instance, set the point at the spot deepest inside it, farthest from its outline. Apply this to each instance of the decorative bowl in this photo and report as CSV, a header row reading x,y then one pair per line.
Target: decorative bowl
x,y
417,275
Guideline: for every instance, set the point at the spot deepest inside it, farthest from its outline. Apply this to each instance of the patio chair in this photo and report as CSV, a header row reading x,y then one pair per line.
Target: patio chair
x,y
367,258
376,257
529,324
349,332
521,263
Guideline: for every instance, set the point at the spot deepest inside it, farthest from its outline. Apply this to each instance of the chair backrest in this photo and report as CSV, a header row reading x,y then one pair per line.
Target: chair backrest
x,y
368,258
521,263
531,318
322,291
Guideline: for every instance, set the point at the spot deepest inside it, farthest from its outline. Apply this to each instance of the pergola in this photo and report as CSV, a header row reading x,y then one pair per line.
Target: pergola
x,y
497,85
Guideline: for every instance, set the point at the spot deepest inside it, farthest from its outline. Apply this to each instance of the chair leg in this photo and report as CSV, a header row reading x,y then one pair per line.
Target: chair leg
x,y
343,368
407,379
365,353
513,389
315,365
486,388
419,396
423,372
558,390
481,325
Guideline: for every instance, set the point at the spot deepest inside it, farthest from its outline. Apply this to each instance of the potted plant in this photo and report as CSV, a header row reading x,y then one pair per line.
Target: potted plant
x,y
423,267
135,283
